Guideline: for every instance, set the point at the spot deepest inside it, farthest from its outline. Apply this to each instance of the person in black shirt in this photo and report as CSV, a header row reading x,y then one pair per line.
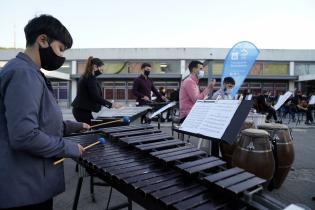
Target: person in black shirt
x,y
89,96
264,106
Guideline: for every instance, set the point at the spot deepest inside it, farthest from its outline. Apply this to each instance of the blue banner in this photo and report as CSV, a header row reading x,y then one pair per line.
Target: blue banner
x,y
238,62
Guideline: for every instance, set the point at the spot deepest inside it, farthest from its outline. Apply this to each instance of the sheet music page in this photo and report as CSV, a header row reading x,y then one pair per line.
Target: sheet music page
x,y
210,118
312,100
282,100
121,112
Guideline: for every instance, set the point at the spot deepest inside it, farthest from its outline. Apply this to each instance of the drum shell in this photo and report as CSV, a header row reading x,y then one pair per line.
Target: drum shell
x,y
254,153
285,151
227,150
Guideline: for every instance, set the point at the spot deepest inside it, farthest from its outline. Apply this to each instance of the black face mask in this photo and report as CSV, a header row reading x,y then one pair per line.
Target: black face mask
x,y
147,73
97,73
49,60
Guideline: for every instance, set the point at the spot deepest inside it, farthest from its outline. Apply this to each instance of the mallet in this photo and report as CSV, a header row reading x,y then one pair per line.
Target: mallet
x,y
101,140
125,119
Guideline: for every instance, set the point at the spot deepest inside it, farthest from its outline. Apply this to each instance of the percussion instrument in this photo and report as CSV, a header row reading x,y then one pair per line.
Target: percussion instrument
x,y
257,118
227,150
159,172
254,153
110,115
101,140
282,149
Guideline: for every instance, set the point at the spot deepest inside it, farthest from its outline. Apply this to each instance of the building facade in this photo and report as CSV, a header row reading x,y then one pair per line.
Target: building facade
x,y
275,70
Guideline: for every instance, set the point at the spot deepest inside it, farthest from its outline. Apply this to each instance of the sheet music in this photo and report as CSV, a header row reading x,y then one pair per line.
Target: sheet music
x,y
121,112
312,100
169,105
282,99
210,118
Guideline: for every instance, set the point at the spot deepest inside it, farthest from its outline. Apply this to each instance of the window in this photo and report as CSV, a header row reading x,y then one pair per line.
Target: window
x,y
61,92
158,67
217,68
256,69
276,69
304,68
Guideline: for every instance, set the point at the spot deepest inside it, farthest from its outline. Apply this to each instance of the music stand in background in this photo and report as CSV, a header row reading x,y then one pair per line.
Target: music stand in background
x,y
159,112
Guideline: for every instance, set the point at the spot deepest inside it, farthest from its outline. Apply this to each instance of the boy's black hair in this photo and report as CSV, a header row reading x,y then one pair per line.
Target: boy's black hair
x,y
194,64
229,80
145,65
47,24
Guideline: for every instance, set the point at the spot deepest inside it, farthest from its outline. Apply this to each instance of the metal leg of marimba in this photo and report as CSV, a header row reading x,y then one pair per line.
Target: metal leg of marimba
x,y
119,206
199,143
92,189
77,194
129,204
159,121
109,197
215,148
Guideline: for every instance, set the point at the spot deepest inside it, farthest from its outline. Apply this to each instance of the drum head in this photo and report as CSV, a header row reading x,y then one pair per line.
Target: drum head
x,y
254,132
273,126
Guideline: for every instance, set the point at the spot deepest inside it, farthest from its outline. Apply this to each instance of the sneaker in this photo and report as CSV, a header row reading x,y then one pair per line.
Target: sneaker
x,y
267,121
307,123
279,121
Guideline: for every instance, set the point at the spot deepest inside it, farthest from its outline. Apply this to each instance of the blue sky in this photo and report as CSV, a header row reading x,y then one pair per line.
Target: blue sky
x,y
269,24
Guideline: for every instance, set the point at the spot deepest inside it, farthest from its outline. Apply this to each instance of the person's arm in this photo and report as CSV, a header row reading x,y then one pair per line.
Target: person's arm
x,y
193,91
94,93
135,89
22,120
155,91
216,95
71,127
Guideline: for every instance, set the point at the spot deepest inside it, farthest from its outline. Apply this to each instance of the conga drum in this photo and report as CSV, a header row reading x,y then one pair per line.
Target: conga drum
x,y
254,153
228,149
283,150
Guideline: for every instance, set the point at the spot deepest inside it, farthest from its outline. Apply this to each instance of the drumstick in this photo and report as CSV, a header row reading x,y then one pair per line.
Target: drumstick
x,y
125,119
101,140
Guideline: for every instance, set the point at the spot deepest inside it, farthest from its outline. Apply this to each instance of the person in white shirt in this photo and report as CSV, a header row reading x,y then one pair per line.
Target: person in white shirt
x,y
225,91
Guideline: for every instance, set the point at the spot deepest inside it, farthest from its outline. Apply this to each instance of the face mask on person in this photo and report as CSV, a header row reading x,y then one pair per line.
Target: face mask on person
x,y
97,72
49,60
228,91
147,73
201,74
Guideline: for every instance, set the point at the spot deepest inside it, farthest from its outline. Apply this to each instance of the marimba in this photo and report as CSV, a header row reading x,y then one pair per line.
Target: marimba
x,y
159,172
107,115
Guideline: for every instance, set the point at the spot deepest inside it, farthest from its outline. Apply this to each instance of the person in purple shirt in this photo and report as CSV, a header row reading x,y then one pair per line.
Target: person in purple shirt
x,y
143,85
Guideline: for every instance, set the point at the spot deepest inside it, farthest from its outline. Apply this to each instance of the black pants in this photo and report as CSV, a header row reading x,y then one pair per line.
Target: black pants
x,y
82,115
47,205
271,113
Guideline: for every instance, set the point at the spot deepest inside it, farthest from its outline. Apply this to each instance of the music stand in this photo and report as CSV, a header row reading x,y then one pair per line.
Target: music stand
x,y
231,131
159,112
